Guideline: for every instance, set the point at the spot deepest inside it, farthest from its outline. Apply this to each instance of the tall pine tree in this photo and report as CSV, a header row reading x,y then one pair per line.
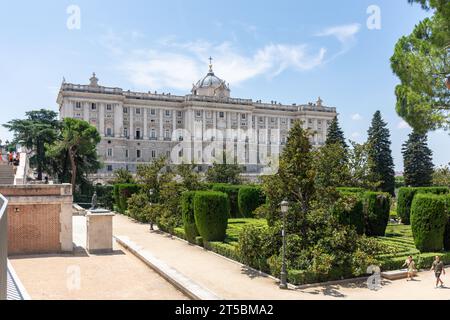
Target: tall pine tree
x,y
418,161
335,134
380,155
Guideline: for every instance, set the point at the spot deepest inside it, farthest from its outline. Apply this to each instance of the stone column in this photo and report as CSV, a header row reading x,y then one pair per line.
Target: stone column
x,y
118,121
86,111
203,125
101,120
161,133
174,121
267,129
130,116
144,110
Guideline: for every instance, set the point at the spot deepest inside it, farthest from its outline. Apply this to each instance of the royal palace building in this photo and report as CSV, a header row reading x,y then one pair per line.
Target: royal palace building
x,y
137,127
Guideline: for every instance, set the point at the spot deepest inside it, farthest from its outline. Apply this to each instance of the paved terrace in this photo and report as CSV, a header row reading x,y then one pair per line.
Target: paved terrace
x,y
230,280
116,276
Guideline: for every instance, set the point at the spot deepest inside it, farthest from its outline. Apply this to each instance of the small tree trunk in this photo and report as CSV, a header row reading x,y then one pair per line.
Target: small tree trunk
x,y
74,168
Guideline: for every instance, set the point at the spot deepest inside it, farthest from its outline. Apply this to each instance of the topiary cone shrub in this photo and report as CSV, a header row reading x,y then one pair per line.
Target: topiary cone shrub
x,y
406,196
377,206
428,221
187,212
211,211
250,198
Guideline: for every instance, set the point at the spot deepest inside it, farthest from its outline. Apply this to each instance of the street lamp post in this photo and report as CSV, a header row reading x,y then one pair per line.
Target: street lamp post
x,y
283,281
151,192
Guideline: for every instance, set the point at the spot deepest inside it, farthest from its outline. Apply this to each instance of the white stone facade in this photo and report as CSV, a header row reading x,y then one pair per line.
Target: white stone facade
x,y
138,127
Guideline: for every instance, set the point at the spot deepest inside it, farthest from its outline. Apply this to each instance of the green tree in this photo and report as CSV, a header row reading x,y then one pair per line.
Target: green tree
x,y
76,145
122,176
335,134
418,161
37,129
441,176
380,155
421,60
151,176
190,177
359,165
332,169
224,172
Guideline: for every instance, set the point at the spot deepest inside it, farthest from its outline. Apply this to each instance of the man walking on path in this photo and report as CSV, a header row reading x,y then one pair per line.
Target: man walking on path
x,y
438,268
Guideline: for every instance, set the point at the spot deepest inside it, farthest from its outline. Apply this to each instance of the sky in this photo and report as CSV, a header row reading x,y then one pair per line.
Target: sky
x,y
286,51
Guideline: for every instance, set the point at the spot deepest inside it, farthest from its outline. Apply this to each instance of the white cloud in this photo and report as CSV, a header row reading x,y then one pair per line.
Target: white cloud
x,y
177,65
403,125
344,33
356,117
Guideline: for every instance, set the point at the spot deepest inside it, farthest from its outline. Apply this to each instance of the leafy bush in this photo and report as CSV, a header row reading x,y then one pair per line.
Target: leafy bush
x,y
105,196
447,226
376,212
250,198
122,192
349,210
405,198
428,220
257,244
351,190
211,211
187,211
138,205
233,192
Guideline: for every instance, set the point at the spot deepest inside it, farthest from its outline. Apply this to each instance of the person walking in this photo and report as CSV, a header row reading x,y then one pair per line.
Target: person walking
x,y
10,158
438,268
411,268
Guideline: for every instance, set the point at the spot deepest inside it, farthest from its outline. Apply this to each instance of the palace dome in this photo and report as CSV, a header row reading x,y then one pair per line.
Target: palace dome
x,y
211,85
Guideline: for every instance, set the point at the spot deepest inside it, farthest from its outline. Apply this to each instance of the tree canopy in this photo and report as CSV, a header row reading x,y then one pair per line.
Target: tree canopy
x,y
418,161
40,127
421,60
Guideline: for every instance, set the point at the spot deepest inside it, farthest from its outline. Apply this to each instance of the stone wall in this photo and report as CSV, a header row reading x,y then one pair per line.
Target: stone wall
x,y
39,218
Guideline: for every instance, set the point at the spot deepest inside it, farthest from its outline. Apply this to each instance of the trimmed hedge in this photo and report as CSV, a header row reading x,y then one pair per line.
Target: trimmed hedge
x,y
351,190
187,212
406,196
121,194
211,211
250,198
447,226
353,213
428,220
377,206
233,192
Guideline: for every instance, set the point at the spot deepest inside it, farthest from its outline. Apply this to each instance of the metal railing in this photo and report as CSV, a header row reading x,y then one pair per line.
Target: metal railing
x,y
3,247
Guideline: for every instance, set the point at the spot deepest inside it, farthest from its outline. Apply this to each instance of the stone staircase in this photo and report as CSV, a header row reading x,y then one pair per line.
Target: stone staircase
x,y
6,174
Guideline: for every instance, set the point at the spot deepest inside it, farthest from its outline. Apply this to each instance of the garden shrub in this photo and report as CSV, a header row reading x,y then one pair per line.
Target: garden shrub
x,y
351,190
233,192
250,198
405,198
211,211
138,205
187,211
447,226
124,191
299,277
428,220
105,196
377,207
349,210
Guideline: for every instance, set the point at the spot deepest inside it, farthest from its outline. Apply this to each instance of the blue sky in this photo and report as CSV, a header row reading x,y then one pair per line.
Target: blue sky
x,y
288,51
